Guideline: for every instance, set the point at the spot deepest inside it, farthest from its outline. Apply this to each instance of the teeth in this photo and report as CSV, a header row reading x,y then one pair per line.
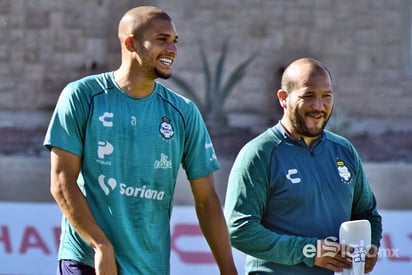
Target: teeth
x,y
316,115
166,61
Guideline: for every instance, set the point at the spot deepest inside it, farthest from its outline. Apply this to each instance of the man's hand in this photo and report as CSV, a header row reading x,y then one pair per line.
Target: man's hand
x,y
333,256
371,258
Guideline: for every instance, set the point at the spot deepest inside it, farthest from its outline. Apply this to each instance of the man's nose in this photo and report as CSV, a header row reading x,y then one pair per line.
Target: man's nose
x,y
318,103
172,48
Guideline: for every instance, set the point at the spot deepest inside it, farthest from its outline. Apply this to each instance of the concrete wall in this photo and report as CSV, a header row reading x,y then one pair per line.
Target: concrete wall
x,y
46,43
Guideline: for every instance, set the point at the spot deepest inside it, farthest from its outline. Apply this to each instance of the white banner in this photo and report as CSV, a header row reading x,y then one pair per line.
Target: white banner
x,y
29,238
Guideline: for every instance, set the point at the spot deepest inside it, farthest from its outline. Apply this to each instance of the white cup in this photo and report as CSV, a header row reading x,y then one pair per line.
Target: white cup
x,y
356,234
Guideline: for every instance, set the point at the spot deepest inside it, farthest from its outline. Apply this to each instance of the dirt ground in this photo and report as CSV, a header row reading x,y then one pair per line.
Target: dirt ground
x,y
388,146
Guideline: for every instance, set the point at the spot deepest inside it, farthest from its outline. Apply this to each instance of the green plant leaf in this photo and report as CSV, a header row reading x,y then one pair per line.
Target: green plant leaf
x,y
234,78
216,90
188,90
207,79
220,69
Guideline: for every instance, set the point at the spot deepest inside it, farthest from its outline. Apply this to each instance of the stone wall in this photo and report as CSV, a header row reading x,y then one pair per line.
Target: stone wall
x,y
46,43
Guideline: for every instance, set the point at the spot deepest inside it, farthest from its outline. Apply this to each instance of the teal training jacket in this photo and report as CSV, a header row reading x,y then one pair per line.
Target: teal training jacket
x,y
283,196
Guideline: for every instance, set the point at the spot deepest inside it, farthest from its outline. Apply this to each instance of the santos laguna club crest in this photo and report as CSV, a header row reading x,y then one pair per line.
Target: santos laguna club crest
x,y
166,129
344,173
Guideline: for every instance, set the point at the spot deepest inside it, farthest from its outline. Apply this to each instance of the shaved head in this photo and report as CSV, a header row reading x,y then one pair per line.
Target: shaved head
x,y
148,40
138,19
300,71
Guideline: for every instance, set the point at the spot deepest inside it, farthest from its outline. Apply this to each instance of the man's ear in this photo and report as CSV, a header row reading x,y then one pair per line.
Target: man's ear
x,y
128,42
282,95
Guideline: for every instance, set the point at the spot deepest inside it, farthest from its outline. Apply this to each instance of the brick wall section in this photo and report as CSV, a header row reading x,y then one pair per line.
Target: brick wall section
x,y
46,43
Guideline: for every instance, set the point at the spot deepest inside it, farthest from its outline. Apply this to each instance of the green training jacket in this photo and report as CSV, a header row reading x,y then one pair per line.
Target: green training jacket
x,y
283,196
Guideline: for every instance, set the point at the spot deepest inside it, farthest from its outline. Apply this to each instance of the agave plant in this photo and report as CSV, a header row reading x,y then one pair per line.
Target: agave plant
x,y
217,89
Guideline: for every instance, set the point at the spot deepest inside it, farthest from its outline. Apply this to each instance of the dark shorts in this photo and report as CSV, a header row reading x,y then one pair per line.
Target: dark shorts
x,y
70,267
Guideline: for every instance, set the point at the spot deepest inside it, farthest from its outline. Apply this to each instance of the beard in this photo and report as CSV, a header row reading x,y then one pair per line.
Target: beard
x,y
301,127
161,74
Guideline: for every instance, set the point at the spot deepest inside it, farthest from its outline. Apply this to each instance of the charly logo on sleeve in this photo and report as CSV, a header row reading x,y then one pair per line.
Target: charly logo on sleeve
x,y
106,119
166,128
293,176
